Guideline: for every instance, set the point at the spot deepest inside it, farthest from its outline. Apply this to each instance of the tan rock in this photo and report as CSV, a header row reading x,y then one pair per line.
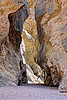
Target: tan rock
x,y
31,43
9,58
52,19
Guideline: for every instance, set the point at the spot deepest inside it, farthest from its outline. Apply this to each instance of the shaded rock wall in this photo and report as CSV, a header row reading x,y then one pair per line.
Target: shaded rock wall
x,y
17,11
51,18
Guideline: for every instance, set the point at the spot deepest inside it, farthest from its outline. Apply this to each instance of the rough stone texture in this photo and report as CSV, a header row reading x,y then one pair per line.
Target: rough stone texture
x,y
45,51
30,37
10,38
31,43
23,75
51,18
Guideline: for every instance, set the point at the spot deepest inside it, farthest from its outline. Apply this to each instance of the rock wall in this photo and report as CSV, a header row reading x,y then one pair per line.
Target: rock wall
x,y
44,37
51,18
31,46
10,36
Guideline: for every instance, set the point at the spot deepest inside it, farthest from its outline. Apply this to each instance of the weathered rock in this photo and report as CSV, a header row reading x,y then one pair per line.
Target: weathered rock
x,y
45,52
51,18
30,37
17,11
23,75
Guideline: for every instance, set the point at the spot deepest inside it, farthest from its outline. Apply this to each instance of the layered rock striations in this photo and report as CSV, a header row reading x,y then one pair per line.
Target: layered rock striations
x,y
51,18
10,36
44,41
31,46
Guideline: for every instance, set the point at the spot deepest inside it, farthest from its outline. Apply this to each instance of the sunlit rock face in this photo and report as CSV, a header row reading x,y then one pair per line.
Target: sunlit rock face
x,y
10,36
51,18
30,44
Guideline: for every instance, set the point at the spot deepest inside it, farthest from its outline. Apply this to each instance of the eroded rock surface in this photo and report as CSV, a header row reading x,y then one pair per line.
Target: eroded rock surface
x,y
31,45
45,51
17,11
51,18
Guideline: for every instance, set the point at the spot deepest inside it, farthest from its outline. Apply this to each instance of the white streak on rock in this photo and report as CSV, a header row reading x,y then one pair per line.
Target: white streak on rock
x,y
24,62
28,67
34,78
22,46
28,35
22,50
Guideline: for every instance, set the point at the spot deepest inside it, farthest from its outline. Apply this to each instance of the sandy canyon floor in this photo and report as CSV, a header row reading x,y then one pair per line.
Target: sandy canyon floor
x,y
30,92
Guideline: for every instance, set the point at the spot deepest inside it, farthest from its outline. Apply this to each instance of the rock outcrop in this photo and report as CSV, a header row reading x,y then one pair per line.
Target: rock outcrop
x,y
51,18
17,12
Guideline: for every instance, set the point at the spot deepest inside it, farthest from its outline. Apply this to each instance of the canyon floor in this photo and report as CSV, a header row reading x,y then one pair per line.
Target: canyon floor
x,y
30,92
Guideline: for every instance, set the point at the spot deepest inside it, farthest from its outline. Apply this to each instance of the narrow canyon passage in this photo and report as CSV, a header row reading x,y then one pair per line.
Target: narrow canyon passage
x,y
31,52
33,42
44,48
